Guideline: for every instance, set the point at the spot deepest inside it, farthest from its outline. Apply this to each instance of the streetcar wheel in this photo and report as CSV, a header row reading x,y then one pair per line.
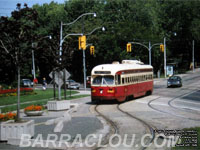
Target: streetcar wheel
x,y
95,101
148,93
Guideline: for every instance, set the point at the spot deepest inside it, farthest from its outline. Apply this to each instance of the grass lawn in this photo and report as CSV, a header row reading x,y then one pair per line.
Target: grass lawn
x,y
39,102
40,98
185,141
39,94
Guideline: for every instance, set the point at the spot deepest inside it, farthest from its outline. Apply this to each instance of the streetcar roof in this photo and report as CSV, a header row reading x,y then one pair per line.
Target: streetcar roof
x,y
114,68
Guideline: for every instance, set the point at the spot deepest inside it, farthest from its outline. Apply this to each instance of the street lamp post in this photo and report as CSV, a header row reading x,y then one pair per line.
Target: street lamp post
x,y
62,40
149,53
67,24
84,66
102,28
165,53
165,59
33,56
33,62
60,54
193,55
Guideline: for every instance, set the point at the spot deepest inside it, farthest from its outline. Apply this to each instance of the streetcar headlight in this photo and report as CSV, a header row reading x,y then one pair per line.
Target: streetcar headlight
x,y
93,90
110,91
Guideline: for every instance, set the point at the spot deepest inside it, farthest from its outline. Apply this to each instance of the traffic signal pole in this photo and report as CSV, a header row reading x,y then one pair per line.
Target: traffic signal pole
x,y
193,55
148,48
149,53
165,59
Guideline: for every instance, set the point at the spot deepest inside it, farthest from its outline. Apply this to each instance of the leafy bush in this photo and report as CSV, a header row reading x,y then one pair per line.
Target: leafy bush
x,y
7,116
33,108
13,92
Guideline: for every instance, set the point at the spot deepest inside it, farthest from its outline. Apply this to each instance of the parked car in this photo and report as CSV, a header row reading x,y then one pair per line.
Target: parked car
x,y
88,82
71,84
174,81
26,83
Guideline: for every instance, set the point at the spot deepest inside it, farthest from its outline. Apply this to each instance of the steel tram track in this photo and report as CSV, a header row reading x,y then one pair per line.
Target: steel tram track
x,y
116,129
169,102
170,105
150,128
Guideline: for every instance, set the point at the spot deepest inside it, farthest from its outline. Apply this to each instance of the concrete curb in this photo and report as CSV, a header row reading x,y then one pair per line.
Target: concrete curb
x,y
89,143
92,139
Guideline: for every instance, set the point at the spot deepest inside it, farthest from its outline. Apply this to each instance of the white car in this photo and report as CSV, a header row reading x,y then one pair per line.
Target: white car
x,y
26,83
71,84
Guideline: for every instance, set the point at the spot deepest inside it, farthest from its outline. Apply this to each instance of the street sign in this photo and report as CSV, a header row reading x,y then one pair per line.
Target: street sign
x,y
170,70
67,74
59,76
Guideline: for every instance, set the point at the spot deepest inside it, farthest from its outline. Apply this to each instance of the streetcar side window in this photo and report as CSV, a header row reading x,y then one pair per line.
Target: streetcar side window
x,y
122,80
118,79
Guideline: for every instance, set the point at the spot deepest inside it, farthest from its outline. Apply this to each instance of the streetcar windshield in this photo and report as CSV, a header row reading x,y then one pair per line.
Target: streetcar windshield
x,y
103,80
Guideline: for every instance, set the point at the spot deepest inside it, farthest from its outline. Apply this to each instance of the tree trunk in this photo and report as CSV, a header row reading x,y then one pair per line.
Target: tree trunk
x,y
18,94
64,79
54,85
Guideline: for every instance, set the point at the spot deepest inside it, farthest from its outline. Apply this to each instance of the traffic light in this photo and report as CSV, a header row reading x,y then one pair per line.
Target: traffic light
x,y
161,47
128,47
91,50
82,42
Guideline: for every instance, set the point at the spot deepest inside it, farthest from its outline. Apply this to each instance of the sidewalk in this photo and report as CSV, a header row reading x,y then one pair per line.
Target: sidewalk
x,y
81,92
82,123
181,75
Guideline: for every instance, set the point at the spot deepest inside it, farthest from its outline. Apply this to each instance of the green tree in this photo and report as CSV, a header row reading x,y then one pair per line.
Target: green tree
x,y
17,33
177,21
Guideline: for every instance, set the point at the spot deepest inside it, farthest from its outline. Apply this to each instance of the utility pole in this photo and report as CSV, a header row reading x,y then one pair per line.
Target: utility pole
x,y
33,61
165,60
84,67
193,55
62,40
60,59
149,53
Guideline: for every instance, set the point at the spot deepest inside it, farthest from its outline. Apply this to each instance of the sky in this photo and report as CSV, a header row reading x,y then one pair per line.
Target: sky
x,y
7,6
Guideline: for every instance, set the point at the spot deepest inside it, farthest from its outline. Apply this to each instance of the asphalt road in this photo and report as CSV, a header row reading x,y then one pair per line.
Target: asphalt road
x,y
166,108
189,93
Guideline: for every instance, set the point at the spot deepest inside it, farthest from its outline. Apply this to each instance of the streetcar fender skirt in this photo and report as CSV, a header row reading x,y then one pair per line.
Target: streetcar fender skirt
x,y
103,97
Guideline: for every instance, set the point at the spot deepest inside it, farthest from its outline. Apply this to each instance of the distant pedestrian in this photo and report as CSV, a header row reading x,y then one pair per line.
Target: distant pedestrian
x,y
44,84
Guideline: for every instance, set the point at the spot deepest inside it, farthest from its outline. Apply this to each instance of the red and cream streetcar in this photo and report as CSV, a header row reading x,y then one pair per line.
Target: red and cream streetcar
x,y
118,81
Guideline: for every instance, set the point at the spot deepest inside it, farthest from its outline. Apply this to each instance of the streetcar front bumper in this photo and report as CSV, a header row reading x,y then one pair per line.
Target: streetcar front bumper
x,y
103,93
